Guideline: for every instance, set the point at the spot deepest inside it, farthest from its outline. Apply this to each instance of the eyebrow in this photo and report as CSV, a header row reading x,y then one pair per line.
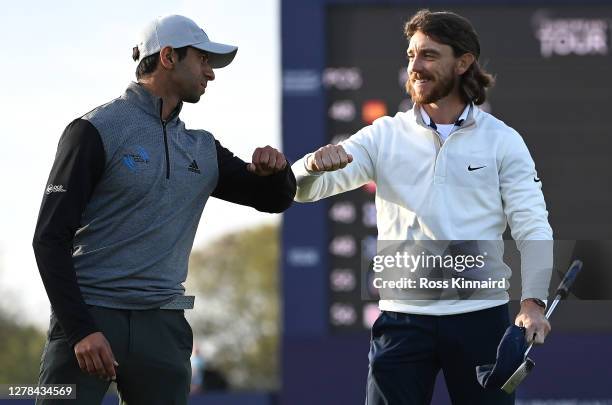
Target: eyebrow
x,y
425,50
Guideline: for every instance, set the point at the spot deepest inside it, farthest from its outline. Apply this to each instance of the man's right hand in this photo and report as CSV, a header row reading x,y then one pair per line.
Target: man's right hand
x,y
95,356
328,159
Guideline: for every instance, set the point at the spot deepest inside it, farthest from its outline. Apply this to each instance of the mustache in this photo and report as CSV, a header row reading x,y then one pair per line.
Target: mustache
x,y
421,76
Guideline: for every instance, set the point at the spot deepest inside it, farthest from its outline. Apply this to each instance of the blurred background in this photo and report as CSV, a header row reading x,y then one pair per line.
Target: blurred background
x,y
307,73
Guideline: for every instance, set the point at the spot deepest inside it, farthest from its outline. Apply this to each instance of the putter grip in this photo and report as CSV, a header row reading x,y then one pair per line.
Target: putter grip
x,y
569,278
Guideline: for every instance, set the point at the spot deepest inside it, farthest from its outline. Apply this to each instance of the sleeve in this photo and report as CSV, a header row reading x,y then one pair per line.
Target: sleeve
x,y
525,209
273,194
78,166
315,186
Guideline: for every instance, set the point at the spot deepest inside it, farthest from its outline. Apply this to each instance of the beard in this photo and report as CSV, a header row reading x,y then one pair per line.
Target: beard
x,y
442,87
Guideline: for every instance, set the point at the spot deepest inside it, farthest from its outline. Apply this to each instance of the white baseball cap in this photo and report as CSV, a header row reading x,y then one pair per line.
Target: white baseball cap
x,y
178,31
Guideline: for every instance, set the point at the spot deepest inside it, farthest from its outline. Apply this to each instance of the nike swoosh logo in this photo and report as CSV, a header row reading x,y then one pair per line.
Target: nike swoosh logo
x,y
536,180
470,168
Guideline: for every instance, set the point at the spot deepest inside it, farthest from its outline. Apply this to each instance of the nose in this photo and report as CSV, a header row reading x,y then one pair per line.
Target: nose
x,y
209,73
415,65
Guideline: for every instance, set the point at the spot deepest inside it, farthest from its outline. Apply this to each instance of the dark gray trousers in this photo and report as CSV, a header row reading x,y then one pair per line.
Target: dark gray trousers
x,y
152,347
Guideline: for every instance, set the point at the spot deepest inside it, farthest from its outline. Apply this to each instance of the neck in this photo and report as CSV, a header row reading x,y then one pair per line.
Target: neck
x,y
446,110
158,88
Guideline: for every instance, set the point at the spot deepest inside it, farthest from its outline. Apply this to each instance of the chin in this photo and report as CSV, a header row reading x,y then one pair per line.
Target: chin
x,y
419,98
192,99
426,99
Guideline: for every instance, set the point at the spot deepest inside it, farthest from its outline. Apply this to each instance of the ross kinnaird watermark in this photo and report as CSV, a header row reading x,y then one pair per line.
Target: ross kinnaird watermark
x,y
405,283
400,262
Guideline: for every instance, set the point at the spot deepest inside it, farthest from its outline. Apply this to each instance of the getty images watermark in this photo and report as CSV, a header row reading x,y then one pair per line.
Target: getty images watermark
x,y
435,270
427,262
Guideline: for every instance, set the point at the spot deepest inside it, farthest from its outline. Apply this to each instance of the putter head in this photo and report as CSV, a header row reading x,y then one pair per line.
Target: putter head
x,y
519,375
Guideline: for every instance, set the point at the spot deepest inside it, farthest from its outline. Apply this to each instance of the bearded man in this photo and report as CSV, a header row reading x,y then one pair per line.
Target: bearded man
x,y
444,170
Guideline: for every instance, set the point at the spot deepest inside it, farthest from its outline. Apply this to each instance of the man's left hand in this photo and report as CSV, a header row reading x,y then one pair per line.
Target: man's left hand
x,y
531,316
267,161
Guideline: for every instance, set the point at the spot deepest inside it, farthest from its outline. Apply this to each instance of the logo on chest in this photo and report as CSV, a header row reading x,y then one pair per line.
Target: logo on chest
x,y
131,160
193,167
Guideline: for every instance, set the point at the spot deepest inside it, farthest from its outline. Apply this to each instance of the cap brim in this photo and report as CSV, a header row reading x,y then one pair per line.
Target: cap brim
x,y
220,55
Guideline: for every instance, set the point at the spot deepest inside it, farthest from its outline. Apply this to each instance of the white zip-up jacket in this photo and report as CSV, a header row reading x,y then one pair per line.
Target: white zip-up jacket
x,y
467,188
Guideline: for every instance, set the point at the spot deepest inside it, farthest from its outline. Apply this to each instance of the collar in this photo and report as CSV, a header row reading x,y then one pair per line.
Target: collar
x,y
429,122
148,102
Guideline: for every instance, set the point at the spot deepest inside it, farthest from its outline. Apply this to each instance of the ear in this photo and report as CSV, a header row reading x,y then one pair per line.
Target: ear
x,y
463,63
167,57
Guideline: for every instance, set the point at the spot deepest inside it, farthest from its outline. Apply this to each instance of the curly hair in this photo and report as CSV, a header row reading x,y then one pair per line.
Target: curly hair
x,y
457,32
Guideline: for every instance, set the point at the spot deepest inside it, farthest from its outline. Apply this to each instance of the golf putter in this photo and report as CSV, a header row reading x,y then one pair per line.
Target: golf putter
x,y
525,368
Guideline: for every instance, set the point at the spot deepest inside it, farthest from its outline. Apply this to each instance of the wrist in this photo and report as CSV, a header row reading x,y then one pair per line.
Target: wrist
x,y
534,302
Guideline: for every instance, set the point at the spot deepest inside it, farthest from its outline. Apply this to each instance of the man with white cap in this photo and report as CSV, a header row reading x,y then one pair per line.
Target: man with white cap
x,y
118,219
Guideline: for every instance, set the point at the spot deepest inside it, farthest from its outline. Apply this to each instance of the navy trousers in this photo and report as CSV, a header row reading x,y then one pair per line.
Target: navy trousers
x,y
407,351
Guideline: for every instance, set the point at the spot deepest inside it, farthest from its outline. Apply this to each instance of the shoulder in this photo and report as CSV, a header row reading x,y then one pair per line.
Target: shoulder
x,y
398,121
110,111
507,138
200,133
116,122
79,131
200,136
494,126
385,126
113,119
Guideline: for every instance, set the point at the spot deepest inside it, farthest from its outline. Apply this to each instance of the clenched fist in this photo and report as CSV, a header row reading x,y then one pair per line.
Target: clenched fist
x,y
328,158
267,161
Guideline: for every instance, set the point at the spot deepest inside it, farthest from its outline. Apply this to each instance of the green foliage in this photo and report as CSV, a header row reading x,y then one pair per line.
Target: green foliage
x,y
236,316
20,351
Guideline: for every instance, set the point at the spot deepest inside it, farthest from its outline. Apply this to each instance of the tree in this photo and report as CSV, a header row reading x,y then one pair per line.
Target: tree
x,y
236,283
20,351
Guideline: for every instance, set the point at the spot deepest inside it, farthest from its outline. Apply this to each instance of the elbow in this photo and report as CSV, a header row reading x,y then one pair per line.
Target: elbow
x,y
303,196
38,245
285,203
44,242
284,197
281,205
37,241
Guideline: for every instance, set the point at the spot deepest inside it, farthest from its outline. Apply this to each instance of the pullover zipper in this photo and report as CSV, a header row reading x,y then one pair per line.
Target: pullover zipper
x,y
161,106
167,153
